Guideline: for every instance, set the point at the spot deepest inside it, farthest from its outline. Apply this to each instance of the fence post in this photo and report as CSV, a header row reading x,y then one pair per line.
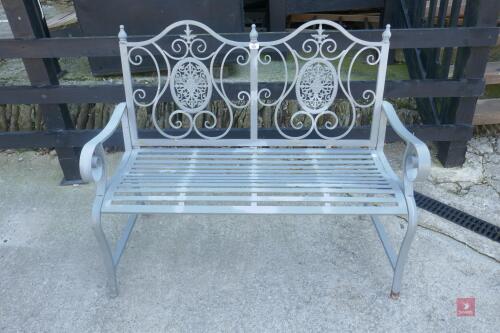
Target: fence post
x,y
26,21
470,64
389,16
277,15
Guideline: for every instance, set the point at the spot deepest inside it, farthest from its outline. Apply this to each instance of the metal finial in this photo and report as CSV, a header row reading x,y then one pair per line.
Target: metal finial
x,y
253,34
387,33
122,35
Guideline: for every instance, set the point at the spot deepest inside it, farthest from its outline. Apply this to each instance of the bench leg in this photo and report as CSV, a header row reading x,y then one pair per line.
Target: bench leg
x,y
111,259
104,247
405,248
398,261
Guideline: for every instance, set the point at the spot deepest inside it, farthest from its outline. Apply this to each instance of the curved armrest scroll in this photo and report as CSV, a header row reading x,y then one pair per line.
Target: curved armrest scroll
x,y
417,159
92,166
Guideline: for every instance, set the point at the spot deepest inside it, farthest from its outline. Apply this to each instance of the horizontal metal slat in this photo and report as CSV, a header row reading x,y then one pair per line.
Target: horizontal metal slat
x,y
223,168
250,156
323,199
197,181
264,177
171,189
253,185
308,152
295,162
253,210
232,172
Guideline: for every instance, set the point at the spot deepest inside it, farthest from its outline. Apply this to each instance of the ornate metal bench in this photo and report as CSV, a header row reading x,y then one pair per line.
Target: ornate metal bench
x,y
310,162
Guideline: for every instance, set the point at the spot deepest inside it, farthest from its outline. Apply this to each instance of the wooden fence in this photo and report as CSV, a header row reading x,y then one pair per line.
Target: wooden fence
x,y
452,128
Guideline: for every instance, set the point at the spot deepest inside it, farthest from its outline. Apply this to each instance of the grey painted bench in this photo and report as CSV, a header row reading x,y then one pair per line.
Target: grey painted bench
x,y
312,164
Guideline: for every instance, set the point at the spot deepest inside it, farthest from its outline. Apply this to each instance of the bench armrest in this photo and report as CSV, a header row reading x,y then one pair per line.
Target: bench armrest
x,y
92,163
417,159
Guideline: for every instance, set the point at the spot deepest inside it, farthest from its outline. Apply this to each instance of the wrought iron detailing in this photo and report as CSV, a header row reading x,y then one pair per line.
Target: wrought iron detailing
x,y
251,175
191,68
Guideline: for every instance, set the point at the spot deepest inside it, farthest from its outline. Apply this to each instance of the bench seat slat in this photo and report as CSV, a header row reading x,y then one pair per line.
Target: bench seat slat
x,y
253,185
255,210
263,178
260,151
325,182
248,156
221,168
254,181
220,198
194,161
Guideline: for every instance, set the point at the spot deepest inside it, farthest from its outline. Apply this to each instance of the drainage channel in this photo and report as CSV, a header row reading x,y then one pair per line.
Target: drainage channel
x,y
459,217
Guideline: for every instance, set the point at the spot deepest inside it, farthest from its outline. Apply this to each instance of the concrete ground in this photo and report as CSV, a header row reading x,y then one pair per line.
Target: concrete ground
x,y
236,273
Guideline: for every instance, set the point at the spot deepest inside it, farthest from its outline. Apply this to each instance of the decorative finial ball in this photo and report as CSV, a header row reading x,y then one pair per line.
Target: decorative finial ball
x,y
122,34
387,33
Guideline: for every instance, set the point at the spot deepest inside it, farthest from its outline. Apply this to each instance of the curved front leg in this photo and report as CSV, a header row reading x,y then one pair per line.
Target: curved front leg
x,y
416,166
405,248
104,247
93,169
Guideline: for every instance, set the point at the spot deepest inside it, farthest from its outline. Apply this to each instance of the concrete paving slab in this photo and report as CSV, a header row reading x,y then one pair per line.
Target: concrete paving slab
x,y
230,273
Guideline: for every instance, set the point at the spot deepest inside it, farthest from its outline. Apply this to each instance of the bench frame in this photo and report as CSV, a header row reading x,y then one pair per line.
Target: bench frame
x,y
416,159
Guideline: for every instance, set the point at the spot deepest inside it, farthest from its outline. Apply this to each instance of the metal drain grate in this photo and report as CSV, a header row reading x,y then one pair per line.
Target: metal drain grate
x,y
454,215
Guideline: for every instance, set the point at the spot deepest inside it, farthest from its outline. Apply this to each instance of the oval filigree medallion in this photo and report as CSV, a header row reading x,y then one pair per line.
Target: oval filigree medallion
x,y
316,85
190,85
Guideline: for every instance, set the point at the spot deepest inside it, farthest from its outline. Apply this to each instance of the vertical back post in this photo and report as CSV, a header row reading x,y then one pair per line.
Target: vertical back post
x,y
378,129
254,76
127,85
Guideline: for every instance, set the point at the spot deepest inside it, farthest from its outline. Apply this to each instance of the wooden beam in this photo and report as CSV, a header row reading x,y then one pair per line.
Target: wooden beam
x,y
471,63
277,15
305,6
26,21
370,18
77,138
108,46
113,93
487,112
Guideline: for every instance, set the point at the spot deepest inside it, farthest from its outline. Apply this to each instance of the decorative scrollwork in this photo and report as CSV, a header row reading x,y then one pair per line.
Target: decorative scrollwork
x,y
316,73
190,81
190,85
316,86
371,59
318,76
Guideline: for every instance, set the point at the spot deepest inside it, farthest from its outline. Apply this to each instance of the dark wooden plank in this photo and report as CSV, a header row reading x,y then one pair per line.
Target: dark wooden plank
x,y
108,46
448,52
77,138
26,21
390,9
305,6
431,13
277,15
390,15
414,59
114,93
470,63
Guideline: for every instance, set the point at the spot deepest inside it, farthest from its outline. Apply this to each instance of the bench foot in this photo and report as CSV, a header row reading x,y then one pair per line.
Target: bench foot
x,y
394,295
110,259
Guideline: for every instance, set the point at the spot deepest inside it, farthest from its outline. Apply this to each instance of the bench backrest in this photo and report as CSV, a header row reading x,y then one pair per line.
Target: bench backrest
x,y
313,66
